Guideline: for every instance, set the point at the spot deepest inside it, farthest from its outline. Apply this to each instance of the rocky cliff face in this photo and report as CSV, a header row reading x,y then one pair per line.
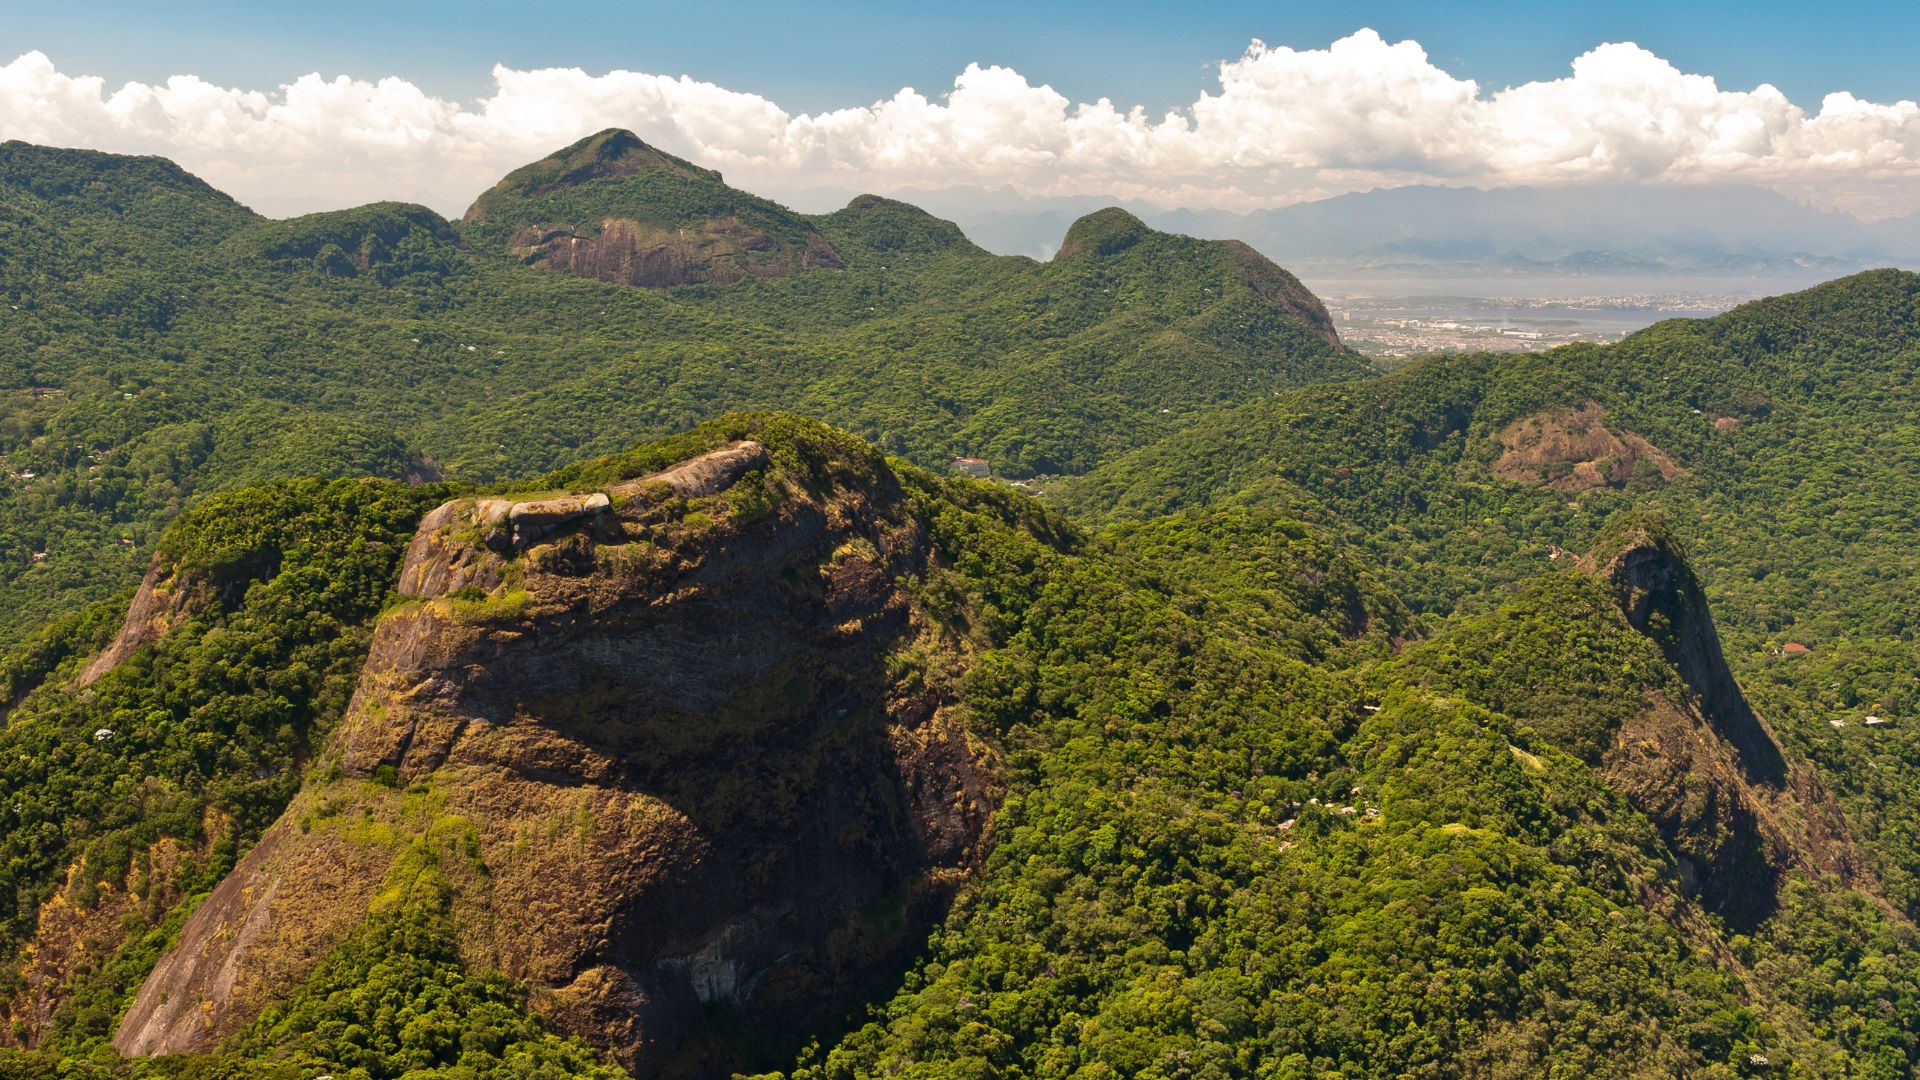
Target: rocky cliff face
x,y
168,596
1705,768
718,251
680,744
156,607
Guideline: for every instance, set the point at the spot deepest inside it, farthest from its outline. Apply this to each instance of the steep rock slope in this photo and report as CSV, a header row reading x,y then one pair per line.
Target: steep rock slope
x,y
663,739
1710,773
1642,692
596,763
137,768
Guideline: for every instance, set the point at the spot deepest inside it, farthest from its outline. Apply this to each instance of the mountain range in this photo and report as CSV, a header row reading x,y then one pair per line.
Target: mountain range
x,y
1423,231
563,642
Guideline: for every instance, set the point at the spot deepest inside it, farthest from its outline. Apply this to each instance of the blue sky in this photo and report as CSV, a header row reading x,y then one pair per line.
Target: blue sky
x,y
315,106
811,56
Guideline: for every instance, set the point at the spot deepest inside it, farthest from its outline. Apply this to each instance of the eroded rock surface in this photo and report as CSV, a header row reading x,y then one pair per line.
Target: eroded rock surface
x,y
671,749
718,252
156,607
1705,768
1573,450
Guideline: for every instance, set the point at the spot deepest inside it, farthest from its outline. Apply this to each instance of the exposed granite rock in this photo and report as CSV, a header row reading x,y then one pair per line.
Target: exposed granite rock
x,y
1572,450
543,517
155,608
678,744
167,597
718,251
612,208
1705,768
708,474
444,555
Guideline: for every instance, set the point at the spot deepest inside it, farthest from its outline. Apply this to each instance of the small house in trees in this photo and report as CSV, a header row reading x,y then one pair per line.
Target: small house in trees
x,y
972,466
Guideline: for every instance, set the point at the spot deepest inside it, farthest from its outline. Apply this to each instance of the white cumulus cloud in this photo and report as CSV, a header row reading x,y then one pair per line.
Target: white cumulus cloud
x,y
1281,125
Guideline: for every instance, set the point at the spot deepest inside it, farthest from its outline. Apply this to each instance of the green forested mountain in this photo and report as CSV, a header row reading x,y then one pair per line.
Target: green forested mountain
x,y
1780,439
1499,716
159,341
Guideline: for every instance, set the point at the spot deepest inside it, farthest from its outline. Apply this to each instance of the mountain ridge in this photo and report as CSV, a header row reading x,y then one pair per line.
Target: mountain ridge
x,y
182,347
1490,715
1431,230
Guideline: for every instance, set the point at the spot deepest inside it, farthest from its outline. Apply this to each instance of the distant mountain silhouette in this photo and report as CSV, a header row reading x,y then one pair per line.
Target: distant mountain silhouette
x,y
1612,229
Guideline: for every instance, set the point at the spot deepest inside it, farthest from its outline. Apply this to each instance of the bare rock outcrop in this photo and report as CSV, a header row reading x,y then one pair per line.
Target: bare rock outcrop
x,y
168,595
708,474
1704,766
669,746
1573,450
157,605
720,251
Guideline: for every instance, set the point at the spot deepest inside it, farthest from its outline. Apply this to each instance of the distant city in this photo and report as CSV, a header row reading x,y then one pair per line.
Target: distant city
x,y
1393,326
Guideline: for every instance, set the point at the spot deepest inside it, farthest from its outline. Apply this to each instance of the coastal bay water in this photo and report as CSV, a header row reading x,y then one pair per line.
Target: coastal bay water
x,y
1411,316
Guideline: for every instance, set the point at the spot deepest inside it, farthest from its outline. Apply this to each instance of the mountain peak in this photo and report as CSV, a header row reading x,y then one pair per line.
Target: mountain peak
x,y
882,225
1106,233
610,153
1103,232
792,678
150,193
612,208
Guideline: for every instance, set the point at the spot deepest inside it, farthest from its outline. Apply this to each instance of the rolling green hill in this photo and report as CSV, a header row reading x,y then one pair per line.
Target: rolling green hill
x,y
1781,440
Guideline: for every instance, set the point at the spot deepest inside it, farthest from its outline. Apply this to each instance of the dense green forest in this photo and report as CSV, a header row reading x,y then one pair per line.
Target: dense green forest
x,y
158,341
1513,716
1242,835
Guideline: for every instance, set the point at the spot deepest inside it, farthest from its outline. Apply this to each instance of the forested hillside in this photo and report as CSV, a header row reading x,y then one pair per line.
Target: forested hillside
x,y
500,701
1781,440
161,341
1238,830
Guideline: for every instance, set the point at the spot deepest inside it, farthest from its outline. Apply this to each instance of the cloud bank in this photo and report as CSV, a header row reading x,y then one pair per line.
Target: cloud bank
x,y
1281,126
